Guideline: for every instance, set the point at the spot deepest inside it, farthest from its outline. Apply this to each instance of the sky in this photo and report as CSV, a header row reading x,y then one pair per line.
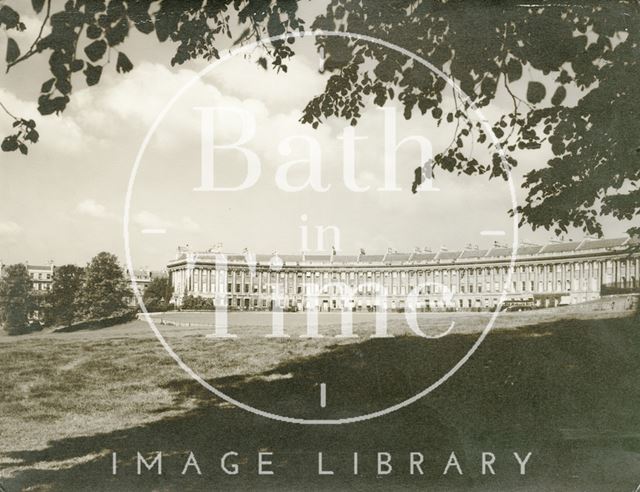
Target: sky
x,y
66,201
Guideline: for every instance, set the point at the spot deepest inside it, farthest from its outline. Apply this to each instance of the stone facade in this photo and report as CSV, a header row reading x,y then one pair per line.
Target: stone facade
x,y
470,279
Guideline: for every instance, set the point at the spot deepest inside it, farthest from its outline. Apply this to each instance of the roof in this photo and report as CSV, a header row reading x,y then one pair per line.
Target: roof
x,y
602,243
396,257
344,259
371,258
448,255
473,253
528,250
423,257
496,252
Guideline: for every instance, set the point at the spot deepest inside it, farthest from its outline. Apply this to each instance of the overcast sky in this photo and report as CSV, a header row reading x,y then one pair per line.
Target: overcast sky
x,y
66,200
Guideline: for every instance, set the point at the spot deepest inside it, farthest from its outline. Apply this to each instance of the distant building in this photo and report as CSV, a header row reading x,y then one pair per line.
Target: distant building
x,y
469,279
143,277
41,276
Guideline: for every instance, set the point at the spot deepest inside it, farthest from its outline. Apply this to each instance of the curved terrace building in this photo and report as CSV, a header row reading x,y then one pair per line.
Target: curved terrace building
x,y
470,279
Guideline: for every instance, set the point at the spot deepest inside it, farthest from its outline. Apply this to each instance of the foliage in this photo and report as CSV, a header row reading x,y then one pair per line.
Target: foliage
x,y
588,48
197,303
157,295
85,35
16,298
25,132
40,308
105,290
63,297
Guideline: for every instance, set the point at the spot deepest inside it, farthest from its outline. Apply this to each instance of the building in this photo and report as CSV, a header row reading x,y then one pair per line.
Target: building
x,y
469,279
142,277
41,276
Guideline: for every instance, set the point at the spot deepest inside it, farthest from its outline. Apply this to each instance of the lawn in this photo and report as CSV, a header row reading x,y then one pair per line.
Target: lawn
x,y
565,389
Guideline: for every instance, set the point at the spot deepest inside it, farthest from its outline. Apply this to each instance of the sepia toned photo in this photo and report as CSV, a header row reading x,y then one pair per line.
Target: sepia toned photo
x,y
321,245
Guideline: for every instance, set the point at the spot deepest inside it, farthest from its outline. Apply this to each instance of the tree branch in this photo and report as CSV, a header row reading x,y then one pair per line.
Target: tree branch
x,y
32,49
7,111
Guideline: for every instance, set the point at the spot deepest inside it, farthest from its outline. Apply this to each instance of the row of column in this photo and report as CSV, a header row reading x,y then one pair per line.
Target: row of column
x,y
578,276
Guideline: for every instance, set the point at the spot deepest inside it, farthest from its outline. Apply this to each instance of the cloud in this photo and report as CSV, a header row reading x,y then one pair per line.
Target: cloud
x,y
287,91
190,225
58,136
149,220
91,208
9,230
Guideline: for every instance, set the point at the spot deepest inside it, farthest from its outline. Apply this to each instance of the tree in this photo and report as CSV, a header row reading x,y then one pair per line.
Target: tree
x,y
197,303
40,308
105,291
589,48
64,296
157,295
16,301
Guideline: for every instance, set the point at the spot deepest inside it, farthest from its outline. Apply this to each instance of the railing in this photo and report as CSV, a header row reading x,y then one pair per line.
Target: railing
x,y
628,287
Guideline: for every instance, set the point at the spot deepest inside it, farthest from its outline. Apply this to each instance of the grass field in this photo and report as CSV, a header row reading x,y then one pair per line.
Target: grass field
x,y
565,389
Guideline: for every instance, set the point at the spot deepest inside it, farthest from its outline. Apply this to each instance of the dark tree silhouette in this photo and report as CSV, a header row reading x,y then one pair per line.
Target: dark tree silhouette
x,y
16,298
64,295
105,291
158,294
589,49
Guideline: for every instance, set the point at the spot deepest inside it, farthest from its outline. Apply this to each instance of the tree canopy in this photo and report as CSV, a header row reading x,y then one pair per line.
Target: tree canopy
x,y
63,297
16,298
157,295
105,291
588,49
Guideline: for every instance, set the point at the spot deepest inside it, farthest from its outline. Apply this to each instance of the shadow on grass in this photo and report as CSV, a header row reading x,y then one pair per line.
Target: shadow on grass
x,y
98,324
566,391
